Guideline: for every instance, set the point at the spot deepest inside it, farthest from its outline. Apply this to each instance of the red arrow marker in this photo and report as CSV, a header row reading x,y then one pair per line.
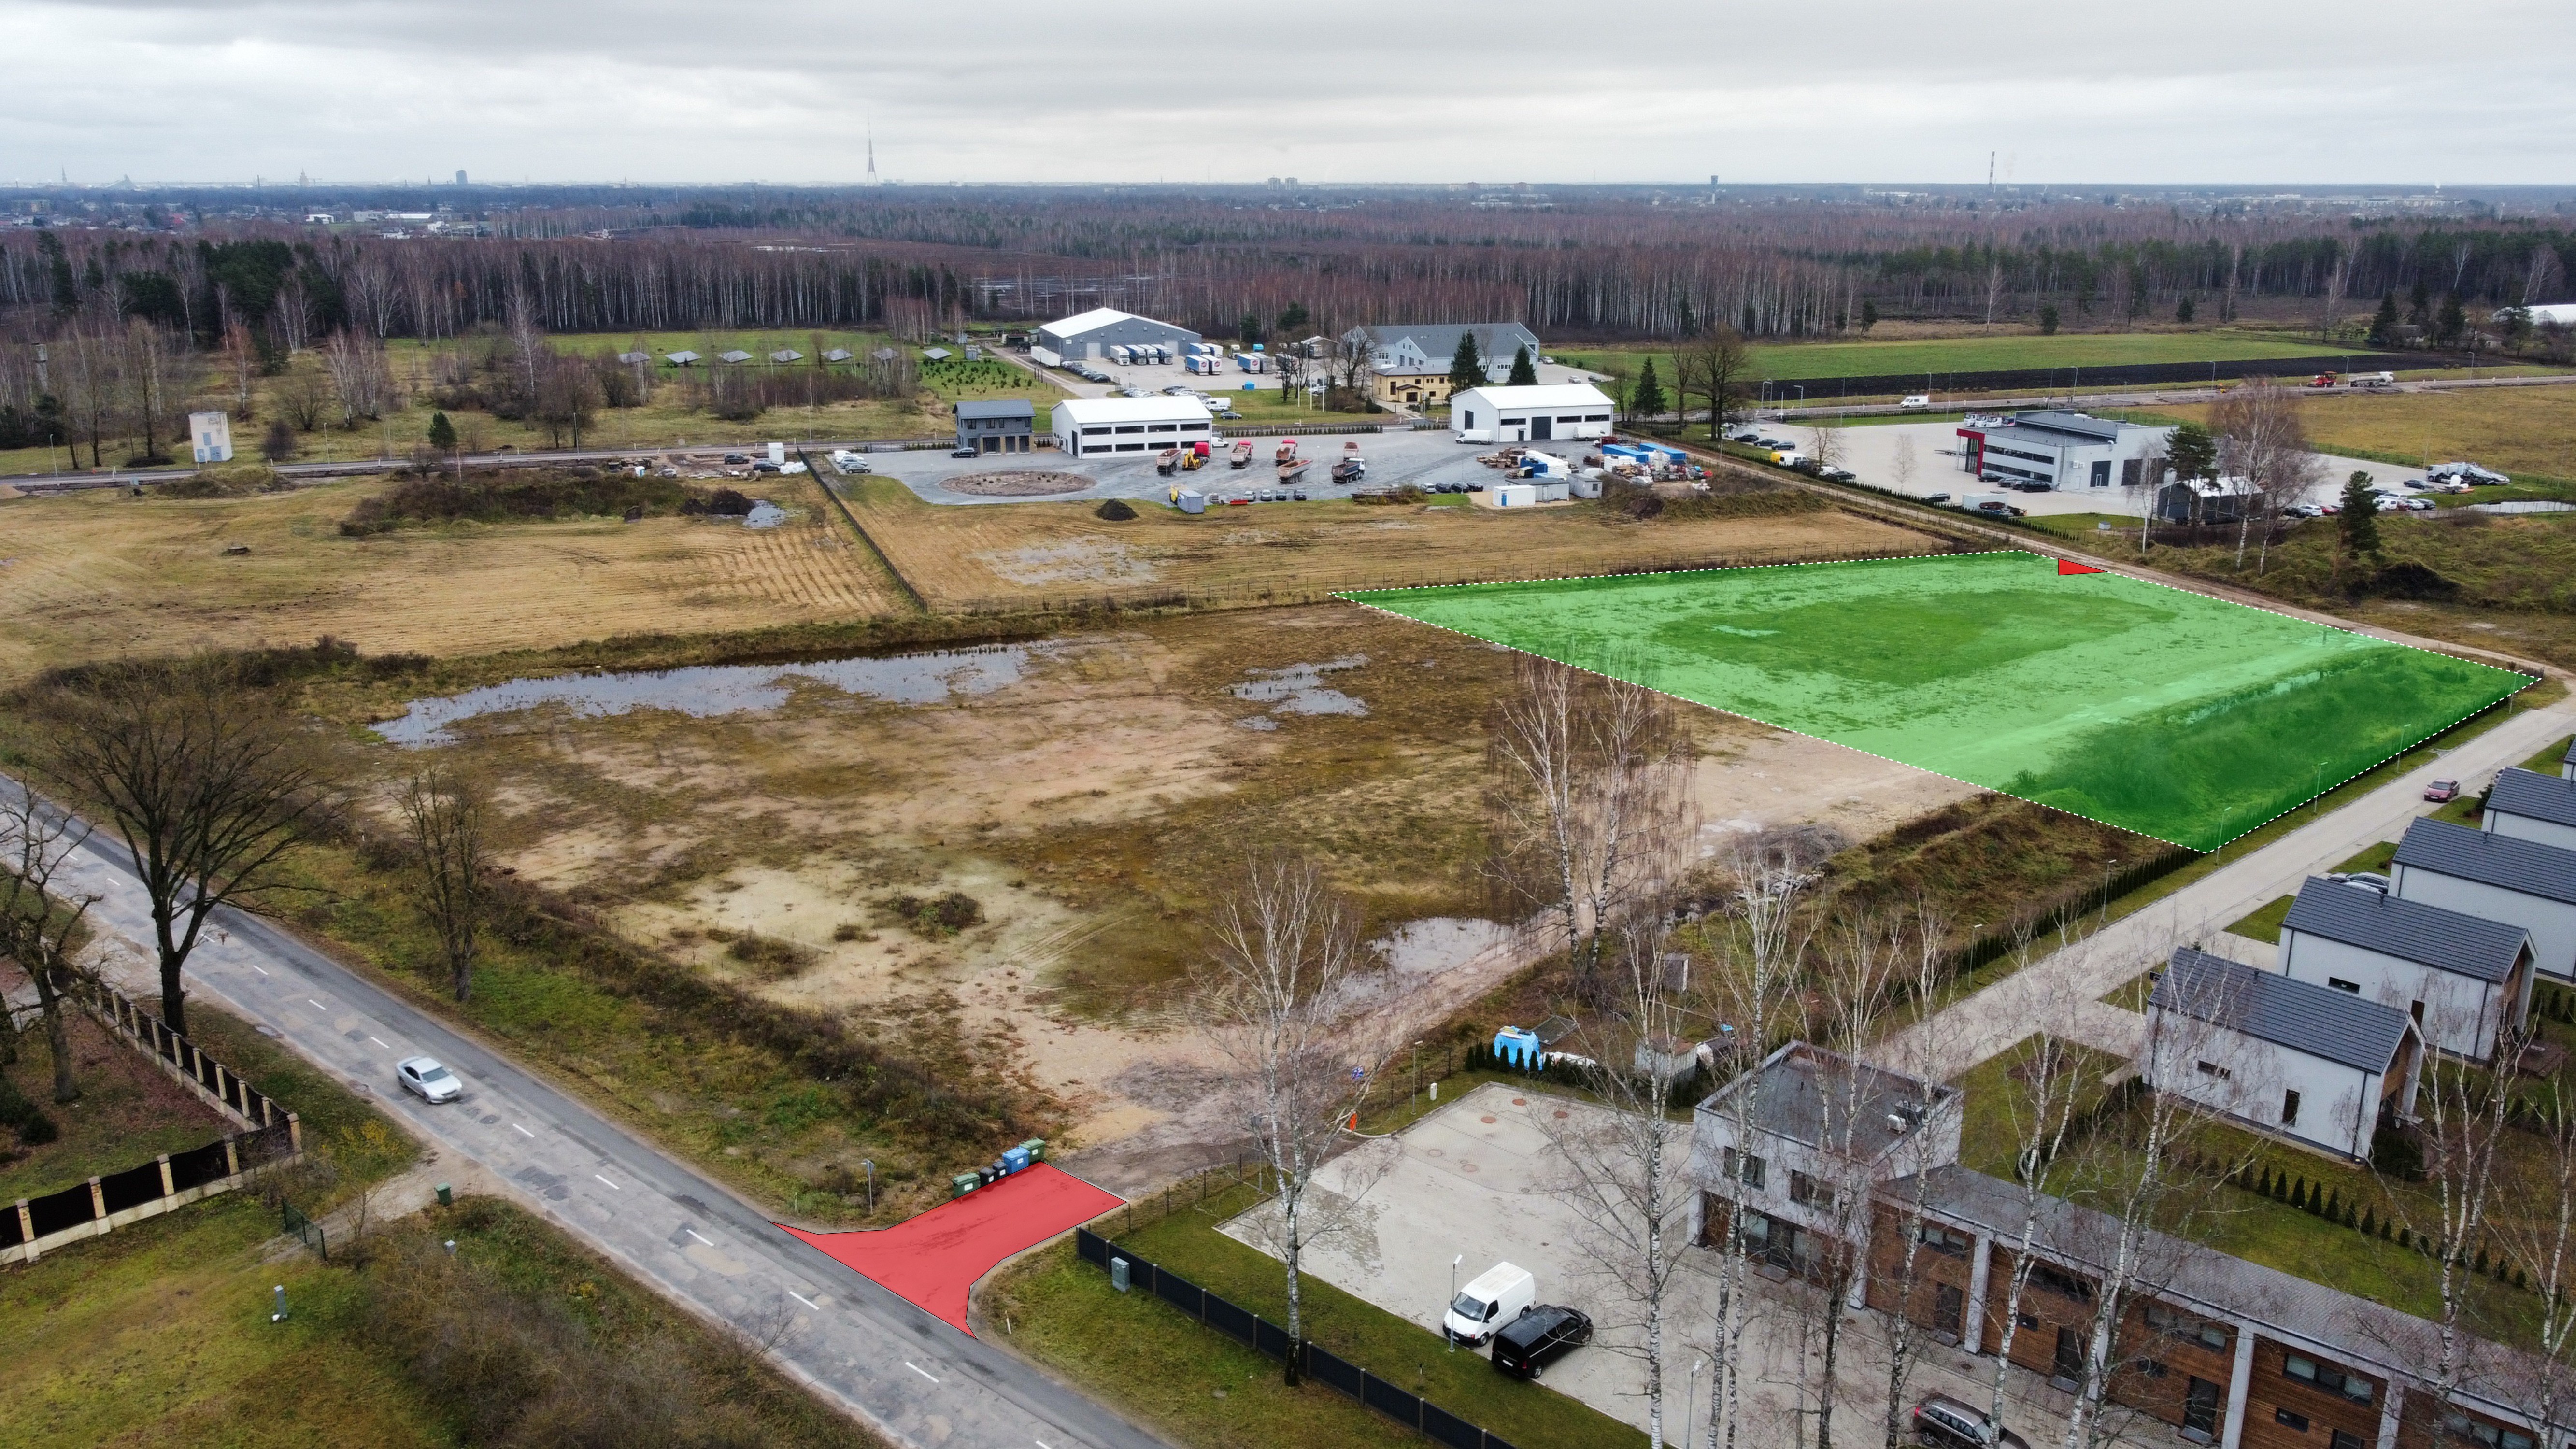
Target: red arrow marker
x,y
2068,566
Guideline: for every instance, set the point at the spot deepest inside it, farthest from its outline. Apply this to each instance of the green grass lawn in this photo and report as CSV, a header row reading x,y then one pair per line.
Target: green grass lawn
x,y
2265,924
1203,1389
2152,709
1969,354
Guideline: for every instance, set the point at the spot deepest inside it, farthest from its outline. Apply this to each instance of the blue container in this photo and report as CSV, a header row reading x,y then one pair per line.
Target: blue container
x,y
1016,1159
1519,1048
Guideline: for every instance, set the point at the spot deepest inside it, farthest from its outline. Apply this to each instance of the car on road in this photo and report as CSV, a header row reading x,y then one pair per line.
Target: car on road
x,y
429,1080
1747,436
1836,475
1546,1332
764,466
2442,791
963,453
1936,497
737,459
1954,1424
2368,880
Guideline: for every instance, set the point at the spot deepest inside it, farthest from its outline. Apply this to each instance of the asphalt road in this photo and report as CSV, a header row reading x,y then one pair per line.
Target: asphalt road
x,y
904,1373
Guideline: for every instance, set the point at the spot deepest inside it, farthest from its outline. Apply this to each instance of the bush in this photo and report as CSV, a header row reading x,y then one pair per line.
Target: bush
x,y
28,1120
769,956
937,917
518,495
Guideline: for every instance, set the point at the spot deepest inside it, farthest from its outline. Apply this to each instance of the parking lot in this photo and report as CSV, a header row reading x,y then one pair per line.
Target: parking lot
x,y
1871,453
1398,456
1477,1180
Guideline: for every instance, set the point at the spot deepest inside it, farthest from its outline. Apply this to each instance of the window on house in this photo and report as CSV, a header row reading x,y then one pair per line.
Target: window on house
x,y
2289,1420
1808,1192
2212,1070
2327,1376
2289,1109
2339,984
2060,1282
2182,1325
1942,1240
2346,1439
2470,1431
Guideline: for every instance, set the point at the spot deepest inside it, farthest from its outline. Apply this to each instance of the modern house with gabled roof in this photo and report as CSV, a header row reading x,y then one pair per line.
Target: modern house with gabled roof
x,y
2289,1058
2501,877
2567,766
1411,359
2533,806
2462,979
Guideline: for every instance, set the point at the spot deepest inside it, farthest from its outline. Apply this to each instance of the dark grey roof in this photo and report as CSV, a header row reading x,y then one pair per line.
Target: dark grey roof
x,y
1495,341
2409,930
1805,1091
2498,860
2079,428
2319,1021
2571,752
2538,796
1000,407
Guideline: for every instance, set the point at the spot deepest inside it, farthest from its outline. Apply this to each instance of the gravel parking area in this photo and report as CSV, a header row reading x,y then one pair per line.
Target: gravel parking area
x,y
1397,456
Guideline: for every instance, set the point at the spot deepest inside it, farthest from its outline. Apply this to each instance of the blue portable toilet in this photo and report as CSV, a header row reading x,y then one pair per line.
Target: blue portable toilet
x,y
1519,1048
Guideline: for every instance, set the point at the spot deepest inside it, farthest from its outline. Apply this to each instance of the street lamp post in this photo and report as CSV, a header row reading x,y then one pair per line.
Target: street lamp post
x,y
1453,1297
871,1167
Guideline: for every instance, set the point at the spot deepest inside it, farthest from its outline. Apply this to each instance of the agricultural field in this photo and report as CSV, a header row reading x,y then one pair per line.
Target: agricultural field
x,y
1027,554
2525,431
1971,354
100,574
2146,707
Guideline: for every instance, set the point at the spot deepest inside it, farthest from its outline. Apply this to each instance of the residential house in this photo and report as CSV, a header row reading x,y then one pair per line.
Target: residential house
x,y
1411,359
2287,1057
2462,979
2497,875
2532,806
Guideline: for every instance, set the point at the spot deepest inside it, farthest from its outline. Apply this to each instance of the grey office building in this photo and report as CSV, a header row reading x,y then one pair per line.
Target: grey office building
x,y
1001,425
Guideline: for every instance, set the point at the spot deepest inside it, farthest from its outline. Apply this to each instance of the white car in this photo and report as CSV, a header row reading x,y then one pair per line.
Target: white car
x,y
427,1079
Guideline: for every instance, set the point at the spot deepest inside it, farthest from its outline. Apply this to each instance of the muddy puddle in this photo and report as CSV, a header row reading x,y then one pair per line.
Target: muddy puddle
x,y
707,690
1300,689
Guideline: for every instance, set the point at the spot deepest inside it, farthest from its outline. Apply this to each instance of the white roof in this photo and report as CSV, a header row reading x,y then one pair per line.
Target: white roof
x,y
1085,321
1156,409
1545,395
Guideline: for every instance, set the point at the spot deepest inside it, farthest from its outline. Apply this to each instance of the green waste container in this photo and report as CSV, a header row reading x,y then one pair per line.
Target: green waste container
x,y
963,1183
1036,1149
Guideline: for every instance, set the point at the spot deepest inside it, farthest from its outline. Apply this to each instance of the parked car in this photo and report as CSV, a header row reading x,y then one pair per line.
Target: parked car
x,y
2304,510
1491,1301
1915,400
1837,475
2368,880
2467,473
963,453
1936,497
1747,436
2442,792
1545,1332
427,1079
1943,1420
737,459
766,466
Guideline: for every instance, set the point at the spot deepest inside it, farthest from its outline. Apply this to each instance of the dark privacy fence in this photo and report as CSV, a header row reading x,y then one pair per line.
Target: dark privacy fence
x,y
1327,1368
1826,389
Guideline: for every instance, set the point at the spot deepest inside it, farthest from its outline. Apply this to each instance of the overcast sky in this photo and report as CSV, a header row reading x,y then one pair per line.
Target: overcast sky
x,y
1120,90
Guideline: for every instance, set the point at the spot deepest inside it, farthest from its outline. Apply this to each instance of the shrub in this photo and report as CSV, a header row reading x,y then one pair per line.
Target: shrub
x,y
937,917
769,956
28,1120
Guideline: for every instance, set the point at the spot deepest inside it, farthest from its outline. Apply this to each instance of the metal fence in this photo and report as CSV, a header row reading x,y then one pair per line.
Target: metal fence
x,y
1316,1362
291,1220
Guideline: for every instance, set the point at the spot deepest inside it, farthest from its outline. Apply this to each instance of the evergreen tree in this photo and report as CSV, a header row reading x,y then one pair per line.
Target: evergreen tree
x,y
1292,317
2192,452
442,433
2453,321
2358,525
1524,371
1466,366
2183,310
1649,400
1868,314
2419,305
2383,328
2369,1223
2048,320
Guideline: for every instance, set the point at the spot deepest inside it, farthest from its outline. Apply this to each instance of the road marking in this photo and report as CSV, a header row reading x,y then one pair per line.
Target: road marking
x,y
380,1041
522,1131
701,1237
1042,1444
817,1307
255,966
317,1006
612,1187
916,1368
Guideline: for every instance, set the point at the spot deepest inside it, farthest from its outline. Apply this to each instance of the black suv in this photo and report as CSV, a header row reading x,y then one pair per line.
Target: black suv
x,y
1542,1333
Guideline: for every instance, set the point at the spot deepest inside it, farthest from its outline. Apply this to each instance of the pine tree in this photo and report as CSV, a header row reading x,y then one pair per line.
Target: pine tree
x,y
2183,310
2334,1205
2192,452
2357,527
2048,320
2482,1261
1648,401
1466,366
442,433
1524,370
2369,1223
1868,314
2453,321
2383,328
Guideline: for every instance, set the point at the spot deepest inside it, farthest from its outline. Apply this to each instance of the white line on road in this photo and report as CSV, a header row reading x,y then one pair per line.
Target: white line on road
x,y
817,1307
701,1237
612,1187
1042,1444
916,1368
522,1131
317,1006
380,1041
255,966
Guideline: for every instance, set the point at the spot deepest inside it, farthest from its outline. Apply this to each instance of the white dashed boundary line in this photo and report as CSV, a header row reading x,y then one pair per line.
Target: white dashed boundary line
x,y
1361,597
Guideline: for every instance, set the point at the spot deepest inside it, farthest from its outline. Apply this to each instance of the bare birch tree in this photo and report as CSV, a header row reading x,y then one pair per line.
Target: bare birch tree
x,y
451,856
1277,995
1921,946
2263,446
39,923
2542,1183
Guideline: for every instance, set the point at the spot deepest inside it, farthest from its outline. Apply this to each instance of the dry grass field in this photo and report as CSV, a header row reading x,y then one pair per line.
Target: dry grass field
x,y
100,574
988,557
2512,429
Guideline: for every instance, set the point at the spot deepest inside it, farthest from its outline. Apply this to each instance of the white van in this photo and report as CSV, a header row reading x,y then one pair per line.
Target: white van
x,y
1486,1306
1913,400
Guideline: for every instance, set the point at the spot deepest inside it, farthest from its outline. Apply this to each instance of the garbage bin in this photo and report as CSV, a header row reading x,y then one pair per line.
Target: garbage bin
x,y
963,1183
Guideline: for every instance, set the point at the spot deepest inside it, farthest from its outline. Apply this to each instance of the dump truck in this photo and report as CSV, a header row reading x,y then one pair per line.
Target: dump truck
x,y
1292,472
1241,456
1350,470
1167,462
1286,452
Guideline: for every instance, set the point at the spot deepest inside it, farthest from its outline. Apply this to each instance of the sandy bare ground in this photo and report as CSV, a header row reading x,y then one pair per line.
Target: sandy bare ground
x,y
1017,483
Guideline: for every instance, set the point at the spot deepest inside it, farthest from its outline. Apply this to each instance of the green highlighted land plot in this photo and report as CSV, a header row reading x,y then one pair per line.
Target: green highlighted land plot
x,y
2156,710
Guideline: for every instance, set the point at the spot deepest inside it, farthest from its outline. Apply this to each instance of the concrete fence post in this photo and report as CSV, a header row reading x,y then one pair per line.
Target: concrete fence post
x,y
169,1185
294,1133
232,1156
97,1200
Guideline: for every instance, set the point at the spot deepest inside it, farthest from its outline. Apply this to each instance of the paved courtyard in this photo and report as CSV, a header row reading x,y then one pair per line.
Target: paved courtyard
x,y
1473,1180
1397,456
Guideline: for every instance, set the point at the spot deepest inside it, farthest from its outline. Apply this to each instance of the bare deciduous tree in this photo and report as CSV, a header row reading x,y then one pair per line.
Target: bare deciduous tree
x,y
39,923
1716,367
1278,996
302,397
2263,448
207,784
151,375
451,854
1587,776
241,369
1906,463
2538,1236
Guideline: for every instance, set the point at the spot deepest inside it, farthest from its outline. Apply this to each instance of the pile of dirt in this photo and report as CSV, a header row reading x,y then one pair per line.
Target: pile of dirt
x,y
1022,483
1116,510
517,495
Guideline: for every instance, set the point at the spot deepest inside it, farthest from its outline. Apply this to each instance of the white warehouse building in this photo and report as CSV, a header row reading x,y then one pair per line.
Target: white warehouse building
x,y
1088,336
1530,414
1092,427
2052,448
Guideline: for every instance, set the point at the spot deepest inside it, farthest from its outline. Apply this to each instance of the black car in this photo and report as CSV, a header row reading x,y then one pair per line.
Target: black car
x,y
1544,1332
1943,1420
737,459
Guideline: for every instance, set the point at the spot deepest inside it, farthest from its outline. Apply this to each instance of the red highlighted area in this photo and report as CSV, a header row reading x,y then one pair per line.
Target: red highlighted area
x,y
2068,566
933,1259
